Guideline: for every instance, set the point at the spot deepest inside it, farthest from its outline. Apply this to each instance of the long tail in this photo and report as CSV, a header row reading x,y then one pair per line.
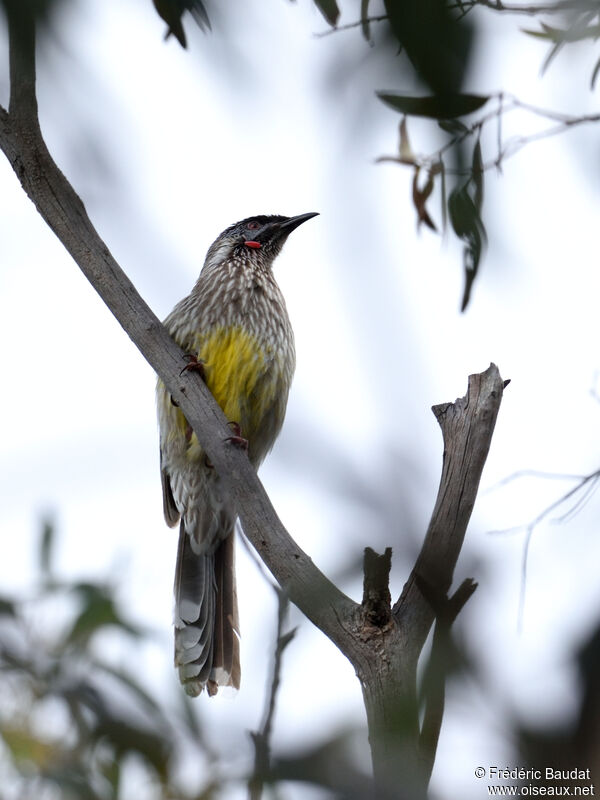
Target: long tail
x,y
207,649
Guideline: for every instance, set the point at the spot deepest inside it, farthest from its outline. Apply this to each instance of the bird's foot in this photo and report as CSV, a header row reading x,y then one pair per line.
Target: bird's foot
x,y
237,437
194,364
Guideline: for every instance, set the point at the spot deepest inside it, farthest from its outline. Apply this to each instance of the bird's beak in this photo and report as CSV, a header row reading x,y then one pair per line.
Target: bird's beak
x,y
292,223
279,230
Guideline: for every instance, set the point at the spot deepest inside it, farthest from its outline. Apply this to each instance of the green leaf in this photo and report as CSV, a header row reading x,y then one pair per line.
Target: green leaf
x,y
73,780
554,50
453,126
420,197
199,14
468,226
444,195
595,74
7,607
25,747
47,540
578,32
136,689
548,33
434,106
99,610
329,9
364,20
477,175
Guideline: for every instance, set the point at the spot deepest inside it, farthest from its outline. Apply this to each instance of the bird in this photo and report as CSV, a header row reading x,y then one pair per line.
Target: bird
x,y
235,331
172,11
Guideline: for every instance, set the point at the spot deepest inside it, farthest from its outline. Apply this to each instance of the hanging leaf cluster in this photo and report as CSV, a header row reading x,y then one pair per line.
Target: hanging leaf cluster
x,y
583,25
462,206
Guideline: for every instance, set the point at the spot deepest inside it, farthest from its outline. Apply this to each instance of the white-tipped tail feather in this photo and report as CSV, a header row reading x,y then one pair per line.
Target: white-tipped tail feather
x,y
206,617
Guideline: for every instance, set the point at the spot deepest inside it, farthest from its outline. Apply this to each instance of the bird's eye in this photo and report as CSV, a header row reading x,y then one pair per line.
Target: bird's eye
x,y
253,226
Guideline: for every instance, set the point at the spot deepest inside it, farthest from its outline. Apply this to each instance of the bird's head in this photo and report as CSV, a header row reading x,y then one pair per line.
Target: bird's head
x,y
259,238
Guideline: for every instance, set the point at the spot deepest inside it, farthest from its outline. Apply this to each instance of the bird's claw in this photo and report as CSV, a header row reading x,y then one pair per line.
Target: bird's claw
x,y
237,437
194,364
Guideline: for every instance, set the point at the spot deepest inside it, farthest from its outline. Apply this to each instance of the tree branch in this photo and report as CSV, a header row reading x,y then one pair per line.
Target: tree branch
x,y
384,648
376,602
21,140
387,663
22,102
262,738
440,662
467,427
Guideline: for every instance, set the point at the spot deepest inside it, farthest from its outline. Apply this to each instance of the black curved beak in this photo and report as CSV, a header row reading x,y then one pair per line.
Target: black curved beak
x,y
277,230
293,222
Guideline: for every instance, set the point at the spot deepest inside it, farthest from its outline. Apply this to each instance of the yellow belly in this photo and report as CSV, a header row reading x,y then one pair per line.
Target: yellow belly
x,y
234,367
247,381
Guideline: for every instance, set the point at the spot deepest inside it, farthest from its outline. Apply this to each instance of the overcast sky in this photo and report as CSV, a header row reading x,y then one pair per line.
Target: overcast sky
x,y
167,148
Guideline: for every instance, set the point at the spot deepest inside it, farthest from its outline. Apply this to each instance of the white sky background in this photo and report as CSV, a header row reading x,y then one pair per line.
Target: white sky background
x,y
167,148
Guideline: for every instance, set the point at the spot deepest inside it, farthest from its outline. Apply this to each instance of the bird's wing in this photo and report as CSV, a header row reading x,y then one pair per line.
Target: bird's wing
x,y
169,507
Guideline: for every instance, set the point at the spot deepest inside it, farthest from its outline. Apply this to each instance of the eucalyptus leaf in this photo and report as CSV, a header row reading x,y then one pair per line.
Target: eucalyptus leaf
x,y
477,175
441,107
468,226
364,20
453,126
7,607
46,547
329,9
99,611
595,74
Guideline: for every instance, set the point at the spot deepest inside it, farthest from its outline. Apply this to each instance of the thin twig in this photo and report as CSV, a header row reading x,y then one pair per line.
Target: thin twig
x,y
350,25
262,738
587,485
533,473
464,6
518,8
505,104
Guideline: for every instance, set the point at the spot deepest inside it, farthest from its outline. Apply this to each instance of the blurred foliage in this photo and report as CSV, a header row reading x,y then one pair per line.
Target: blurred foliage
x,y
438,44
74,726
70,721
437,38
574,744
41,9
581,23
172,11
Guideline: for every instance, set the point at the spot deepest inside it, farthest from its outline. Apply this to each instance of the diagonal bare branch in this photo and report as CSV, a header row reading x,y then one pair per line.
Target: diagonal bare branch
x,y
62,209
383,649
